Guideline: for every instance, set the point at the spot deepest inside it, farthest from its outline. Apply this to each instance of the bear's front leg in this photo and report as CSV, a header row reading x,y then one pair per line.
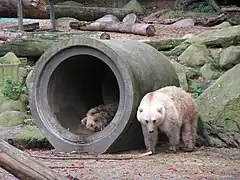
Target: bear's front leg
x,y
173,135
150,139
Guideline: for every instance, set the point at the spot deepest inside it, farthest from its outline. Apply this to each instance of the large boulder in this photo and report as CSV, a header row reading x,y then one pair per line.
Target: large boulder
x,y
230,57
10,58
11,105
223,25
195,55
9,65
24,136
220,37
219,109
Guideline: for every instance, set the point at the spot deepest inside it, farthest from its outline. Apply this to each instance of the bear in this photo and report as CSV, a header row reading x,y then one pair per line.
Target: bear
x,y
99,117
173,111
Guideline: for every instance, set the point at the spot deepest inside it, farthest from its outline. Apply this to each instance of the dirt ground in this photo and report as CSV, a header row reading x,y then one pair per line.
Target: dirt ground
x,y
205,163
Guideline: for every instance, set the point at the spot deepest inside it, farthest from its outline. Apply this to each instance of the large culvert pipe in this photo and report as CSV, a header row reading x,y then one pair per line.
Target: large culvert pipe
x,y
77,74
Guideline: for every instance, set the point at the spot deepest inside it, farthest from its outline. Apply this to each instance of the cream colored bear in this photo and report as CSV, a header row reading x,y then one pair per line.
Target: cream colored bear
x,y
172,111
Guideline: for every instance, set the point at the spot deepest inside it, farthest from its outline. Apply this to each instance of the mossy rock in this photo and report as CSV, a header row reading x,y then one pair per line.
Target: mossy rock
x,y
11,118
223,25
210,72
30,137
178,50
10,58
22,74
183,81
195,55
134,5
219,108
224,37
190,72
230,57
11,105
215,55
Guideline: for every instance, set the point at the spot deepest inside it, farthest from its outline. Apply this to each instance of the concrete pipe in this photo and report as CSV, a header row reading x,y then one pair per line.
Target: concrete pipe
x,y
80,73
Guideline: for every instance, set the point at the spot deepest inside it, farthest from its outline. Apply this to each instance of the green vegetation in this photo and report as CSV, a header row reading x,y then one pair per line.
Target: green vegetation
x,y
12,89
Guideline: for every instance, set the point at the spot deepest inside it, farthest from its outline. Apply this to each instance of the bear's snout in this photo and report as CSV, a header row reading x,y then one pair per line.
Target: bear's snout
x,y
151,131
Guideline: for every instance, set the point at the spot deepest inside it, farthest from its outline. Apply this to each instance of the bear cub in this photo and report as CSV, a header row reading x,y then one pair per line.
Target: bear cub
x,y
99,117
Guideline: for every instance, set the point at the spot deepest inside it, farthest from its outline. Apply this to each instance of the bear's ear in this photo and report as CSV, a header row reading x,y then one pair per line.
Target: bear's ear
x,y
84,121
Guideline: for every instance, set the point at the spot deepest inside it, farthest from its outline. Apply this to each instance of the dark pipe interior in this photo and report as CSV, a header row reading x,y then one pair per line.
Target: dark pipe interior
x,y
78,84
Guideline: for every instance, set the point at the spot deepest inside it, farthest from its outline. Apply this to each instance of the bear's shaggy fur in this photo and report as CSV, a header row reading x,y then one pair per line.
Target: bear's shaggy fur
x,y
99,117
172,111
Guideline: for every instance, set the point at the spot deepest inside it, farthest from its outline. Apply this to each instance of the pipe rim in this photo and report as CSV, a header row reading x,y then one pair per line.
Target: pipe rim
x,y
121,73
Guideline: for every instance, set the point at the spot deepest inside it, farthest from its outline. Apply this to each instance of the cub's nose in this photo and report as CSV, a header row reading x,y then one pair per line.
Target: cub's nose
x,y
151,131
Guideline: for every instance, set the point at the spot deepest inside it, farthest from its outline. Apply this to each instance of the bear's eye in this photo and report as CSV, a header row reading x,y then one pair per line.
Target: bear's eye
x,y
147,121
140,110
159,110
91,125
154,121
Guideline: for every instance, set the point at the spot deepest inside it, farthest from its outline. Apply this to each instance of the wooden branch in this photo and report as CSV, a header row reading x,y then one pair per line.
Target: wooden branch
x,y
136,28
211,21
94,157
23,166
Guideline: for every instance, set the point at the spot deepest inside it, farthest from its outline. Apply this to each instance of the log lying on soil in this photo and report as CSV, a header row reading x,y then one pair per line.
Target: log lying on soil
x,y
33,44
26,27
23,166
78,12
34,8
136,28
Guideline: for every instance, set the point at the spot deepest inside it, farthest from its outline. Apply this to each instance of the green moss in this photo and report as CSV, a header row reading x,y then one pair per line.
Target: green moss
x,y
228,116
204,7
12,89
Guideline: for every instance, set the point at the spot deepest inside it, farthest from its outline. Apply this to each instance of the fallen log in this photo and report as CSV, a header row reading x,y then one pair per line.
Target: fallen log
x,y
33,44
78,12
8,8
23,166
26,27
136,28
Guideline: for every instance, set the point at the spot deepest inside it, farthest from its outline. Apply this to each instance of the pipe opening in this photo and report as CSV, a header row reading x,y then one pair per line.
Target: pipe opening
x,y
78,84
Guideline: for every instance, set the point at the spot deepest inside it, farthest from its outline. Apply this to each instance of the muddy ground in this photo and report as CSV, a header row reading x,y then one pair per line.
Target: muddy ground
x,y
205,163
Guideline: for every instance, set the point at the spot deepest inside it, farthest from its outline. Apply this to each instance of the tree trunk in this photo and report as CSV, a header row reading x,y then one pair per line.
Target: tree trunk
x,y
33,44
136,28
8,8
23,166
